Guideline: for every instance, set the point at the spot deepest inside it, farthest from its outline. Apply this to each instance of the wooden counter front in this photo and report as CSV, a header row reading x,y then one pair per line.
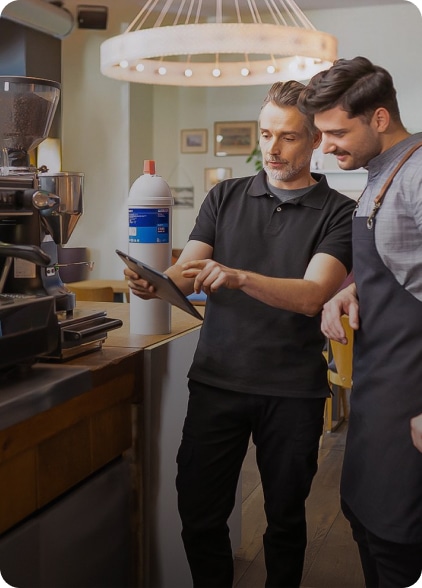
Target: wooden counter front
x,y
45,455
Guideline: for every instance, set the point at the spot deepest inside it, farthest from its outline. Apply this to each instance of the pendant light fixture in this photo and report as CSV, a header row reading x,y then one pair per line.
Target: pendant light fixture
x,y
244,42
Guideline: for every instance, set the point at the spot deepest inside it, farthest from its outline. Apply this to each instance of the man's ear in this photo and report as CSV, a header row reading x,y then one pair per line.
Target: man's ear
x,y
317,139
381,119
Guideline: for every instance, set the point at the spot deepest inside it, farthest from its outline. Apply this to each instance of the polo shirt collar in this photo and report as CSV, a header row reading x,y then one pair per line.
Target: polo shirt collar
x,y
315,198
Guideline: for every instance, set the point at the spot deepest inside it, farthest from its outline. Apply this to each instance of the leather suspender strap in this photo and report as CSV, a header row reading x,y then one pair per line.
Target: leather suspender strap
x,y
378,200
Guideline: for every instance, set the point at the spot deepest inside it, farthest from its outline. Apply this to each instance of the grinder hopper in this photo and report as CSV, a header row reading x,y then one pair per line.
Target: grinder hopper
x,y
27,108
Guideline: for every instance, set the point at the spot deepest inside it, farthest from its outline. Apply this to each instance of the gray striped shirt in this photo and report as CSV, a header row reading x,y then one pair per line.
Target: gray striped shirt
x,y
398,228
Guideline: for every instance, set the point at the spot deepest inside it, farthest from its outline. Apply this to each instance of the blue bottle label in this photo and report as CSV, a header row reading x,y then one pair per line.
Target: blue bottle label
x,y
149,225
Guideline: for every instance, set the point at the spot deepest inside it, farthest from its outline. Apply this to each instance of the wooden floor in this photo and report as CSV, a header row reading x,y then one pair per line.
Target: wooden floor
x,y
332,559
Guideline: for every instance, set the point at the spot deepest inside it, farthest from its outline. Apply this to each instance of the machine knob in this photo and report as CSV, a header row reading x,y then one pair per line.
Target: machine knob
x,y
45,202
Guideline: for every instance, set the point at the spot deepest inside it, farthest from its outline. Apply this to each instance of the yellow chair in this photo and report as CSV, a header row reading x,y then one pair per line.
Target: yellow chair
x,y
339,376
97,294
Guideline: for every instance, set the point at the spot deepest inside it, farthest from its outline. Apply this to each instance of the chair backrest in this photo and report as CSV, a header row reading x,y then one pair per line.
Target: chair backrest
x,y
97,294
343,357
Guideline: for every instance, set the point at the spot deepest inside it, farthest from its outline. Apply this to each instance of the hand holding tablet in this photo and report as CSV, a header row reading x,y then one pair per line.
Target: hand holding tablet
x,y
164,286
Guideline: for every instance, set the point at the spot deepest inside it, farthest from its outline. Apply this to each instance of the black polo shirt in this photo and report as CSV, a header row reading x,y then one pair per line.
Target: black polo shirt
x,y
246,345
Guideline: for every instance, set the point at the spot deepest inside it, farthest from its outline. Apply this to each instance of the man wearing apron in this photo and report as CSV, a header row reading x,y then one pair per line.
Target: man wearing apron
x,y
355,107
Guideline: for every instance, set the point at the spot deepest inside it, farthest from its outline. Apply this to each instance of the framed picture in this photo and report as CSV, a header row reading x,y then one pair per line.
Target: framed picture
x,y
214,175
183,196
194,141
235,138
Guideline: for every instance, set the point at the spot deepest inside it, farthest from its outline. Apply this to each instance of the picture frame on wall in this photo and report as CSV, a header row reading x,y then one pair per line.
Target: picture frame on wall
x,y
235,138
214,175
183,196
194,141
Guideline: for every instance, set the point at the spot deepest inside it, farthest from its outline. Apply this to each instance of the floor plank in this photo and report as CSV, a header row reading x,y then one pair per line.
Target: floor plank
x,y
250,474
337,563
331,559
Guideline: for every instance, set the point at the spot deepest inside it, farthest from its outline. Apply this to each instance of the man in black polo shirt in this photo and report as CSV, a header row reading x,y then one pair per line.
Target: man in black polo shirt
x,y
268,250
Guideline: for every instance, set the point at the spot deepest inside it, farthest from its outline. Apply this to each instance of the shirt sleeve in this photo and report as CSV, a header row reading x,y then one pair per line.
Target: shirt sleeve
x,y
336,240
205,226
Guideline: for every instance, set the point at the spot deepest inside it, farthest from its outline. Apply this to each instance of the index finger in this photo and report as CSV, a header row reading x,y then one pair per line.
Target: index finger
x,y
130,274
331,324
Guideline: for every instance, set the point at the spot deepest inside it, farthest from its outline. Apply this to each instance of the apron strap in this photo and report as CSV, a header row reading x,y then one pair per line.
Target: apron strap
x,y
379,199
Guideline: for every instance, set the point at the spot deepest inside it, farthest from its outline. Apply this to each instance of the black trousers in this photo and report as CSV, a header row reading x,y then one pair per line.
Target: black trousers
x,y
385,564
216,435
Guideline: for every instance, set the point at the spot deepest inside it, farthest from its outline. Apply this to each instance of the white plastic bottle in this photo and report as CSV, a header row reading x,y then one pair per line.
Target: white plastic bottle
x,y
150,241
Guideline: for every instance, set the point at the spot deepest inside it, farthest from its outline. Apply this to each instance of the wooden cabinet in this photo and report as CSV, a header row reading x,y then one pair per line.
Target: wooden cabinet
x,y
45,455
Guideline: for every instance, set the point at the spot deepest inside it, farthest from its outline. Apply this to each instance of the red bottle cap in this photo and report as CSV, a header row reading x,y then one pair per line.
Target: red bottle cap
x,y
149,167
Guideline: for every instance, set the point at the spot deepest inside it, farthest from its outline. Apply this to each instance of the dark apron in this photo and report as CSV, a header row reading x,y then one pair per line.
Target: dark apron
x,y
382,471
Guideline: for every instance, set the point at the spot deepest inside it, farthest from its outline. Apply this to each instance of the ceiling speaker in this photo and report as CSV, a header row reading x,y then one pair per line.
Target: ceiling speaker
x,y
92,17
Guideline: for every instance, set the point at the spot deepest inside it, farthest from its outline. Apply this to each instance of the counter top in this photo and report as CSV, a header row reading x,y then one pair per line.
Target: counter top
x,y
181,322
46,385
39,388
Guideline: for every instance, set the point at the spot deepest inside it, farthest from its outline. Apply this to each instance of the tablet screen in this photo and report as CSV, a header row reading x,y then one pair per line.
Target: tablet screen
x,y
164,286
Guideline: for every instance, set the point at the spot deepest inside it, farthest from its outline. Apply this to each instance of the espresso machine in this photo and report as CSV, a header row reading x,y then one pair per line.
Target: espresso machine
x,y
38,213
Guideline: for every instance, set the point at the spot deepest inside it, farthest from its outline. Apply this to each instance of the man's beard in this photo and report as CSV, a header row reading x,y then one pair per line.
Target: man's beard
x,y
286,174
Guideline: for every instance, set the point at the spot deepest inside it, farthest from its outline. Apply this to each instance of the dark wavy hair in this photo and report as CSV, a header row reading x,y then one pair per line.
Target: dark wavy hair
x,y
287,94
356,85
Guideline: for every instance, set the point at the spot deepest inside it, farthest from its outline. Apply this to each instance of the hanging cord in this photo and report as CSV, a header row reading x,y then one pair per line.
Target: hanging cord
x,y
147,10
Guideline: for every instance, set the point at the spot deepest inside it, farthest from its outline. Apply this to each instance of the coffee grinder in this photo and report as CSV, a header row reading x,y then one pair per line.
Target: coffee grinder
x,y
38,213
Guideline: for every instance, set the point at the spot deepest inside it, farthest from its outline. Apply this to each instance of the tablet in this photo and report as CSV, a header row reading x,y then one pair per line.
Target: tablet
x,y
164,286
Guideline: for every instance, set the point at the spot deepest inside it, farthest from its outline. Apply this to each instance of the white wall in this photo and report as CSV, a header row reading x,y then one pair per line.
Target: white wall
x,y
109,127
390,36
106,130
